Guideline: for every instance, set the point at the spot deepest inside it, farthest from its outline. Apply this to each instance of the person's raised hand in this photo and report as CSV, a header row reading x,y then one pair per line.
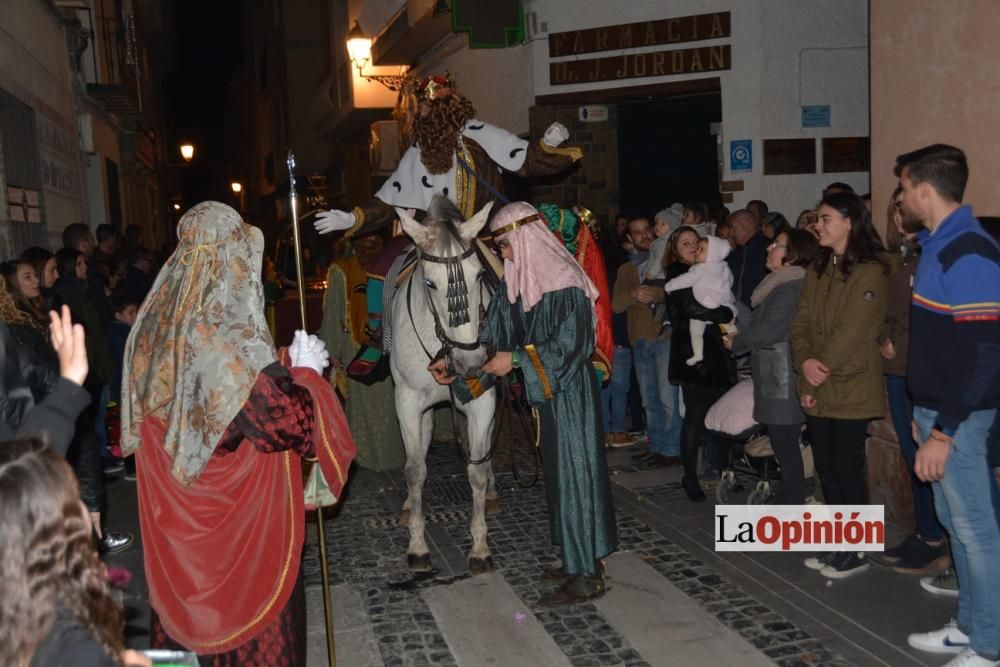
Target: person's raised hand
x,y
333,220
555,135
68,339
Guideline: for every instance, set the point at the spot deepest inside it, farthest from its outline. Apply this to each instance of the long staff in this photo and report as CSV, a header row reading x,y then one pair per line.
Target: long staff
x,y
324,568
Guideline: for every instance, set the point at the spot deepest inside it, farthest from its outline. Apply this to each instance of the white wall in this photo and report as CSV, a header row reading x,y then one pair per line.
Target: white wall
x,y
498,82
816,53
785,53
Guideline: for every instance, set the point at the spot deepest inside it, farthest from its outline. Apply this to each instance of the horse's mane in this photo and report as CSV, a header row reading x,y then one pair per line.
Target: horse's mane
x,y
444,212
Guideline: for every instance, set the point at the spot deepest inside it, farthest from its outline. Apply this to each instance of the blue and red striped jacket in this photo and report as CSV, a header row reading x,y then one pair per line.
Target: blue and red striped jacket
x,y
954,361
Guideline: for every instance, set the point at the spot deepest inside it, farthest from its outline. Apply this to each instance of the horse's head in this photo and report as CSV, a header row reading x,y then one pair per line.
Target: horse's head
x,y
451,269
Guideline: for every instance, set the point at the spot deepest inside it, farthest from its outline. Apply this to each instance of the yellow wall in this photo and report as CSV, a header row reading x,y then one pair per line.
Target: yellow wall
x,y
935,78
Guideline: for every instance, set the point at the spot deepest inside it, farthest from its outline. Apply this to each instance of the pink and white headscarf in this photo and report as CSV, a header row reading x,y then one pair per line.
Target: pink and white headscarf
x,y
541,263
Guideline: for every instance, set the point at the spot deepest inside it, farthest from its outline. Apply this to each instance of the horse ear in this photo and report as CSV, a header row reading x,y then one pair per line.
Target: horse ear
x,y
421,235
470,228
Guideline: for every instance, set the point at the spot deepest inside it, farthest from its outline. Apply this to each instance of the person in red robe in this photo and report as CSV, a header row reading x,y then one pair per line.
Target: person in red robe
x,y
218,421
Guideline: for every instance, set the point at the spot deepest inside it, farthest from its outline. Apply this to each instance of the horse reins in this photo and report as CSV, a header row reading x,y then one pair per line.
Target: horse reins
x,y
447,345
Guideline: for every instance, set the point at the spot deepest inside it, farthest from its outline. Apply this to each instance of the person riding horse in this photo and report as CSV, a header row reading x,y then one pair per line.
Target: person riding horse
x,y
454,155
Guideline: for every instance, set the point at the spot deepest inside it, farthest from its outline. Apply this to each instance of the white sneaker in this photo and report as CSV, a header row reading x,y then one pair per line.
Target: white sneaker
x,y
948,639
820,560
969,658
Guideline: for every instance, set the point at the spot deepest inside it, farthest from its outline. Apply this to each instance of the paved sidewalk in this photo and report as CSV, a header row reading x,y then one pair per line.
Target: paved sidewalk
x,y
673,599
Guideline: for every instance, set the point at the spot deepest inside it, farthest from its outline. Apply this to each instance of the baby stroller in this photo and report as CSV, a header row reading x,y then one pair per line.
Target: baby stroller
x,y
748,460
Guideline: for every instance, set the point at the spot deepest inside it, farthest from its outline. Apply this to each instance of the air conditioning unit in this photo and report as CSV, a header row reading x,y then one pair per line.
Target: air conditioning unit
x,y
384,147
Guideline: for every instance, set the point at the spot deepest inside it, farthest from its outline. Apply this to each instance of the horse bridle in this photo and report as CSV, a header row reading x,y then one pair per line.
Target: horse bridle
x,y
448,344
458,303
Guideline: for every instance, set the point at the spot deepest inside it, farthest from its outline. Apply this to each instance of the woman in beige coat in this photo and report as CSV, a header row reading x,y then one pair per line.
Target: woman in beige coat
x,y
836,355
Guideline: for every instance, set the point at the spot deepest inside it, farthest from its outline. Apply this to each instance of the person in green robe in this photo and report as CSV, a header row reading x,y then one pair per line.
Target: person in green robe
x,y
541,320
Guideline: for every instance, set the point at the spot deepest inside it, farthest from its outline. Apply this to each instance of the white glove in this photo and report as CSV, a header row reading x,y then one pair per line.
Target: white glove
x,y
308,352
333,220
555,135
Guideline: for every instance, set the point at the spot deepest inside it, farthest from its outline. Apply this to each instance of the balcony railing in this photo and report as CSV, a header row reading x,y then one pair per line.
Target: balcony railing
x,y
113,75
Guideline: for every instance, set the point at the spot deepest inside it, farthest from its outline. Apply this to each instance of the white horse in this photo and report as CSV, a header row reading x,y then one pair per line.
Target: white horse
x,y
440,306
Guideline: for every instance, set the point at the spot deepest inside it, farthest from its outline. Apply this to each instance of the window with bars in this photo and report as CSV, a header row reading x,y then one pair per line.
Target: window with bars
x,y
25,203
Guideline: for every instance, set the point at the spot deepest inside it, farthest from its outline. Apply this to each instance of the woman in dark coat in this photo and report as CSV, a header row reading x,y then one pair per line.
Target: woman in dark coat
x,y
765,338
701,384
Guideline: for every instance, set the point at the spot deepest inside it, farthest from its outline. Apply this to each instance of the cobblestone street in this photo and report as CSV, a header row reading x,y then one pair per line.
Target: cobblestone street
x,y
673,600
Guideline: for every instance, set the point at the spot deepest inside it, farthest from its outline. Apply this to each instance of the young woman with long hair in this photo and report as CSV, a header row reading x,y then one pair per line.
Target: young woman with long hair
x,y
25,287
47,270
705,382
57,608
836,354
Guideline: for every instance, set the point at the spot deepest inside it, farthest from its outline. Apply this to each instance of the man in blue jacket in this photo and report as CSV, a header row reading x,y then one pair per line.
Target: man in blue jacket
x,y
954,379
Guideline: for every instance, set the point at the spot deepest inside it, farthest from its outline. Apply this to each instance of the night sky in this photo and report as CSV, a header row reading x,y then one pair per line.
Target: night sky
x,y
208,46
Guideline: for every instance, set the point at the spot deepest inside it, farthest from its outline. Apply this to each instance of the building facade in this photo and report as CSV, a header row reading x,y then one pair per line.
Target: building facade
x,y
695,100
80,119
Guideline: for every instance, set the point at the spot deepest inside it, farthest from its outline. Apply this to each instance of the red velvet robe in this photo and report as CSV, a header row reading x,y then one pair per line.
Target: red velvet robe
x,y
591,260
222,555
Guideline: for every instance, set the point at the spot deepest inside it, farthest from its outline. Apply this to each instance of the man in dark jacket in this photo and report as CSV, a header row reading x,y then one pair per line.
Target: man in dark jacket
x,y
79,237
749,256
137,281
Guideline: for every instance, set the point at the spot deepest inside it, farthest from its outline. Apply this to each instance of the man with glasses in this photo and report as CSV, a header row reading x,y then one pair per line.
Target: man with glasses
x,y
650,348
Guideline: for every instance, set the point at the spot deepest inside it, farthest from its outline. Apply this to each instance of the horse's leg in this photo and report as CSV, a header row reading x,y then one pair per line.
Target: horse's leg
x,y
492,497
480,422
414,426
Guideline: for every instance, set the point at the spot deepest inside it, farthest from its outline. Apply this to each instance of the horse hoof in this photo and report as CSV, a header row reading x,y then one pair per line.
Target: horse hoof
x,y
404,518
418,562
480,565
493,505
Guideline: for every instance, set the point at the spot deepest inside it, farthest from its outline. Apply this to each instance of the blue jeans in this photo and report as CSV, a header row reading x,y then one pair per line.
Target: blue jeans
x,y
614,396
901,411
964,499
659,397
993,442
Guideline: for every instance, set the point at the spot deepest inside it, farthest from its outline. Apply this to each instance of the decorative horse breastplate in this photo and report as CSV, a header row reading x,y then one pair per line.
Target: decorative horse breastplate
x,y
458,292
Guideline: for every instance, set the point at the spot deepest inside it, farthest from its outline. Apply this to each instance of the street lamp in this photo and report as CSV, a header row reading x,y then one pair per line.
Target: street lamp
x,y
359,50
187,152
237,187
177,207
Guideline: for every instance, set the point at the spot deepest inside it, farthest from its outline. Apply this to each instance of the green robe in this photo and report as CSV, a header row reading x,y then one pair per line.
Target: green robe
x,y
370,410
554,342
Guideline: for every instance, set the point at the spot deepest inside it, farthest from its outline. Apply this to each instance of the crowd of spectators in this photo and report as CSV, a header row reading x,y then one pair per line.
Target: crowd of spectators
x,y
823,315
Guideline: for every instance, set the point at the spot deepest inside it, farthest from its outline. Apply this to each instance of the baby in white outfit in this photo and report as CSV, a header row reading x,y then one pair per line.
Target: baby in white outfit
x,y
712,283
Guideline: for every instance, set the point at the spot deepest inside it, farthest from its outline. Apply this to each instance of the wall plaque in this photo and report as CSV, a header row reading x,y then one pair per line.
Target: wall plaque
x,y
846,154
640,65
789,156
645,33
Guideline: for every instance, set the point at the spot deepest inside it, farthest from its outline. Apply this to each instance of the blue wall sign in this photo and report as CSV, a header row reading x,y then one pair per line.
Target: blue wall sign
x,y
816,115
741,155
